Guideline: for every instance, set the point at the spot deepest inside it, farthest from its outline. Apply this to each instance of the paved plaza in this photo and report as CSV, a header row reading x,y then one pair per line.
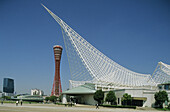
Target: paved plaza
x,y
60,108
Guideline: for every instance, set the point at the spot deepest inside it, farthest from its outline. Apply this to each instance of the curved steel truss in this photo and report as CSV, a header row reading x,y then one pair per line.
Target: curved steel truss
x,y
87,64
161,73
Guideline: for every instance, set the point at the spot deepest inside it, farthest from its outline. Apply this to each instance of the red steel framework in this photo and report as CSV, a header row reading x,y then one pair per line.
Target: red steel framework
x,y
57,90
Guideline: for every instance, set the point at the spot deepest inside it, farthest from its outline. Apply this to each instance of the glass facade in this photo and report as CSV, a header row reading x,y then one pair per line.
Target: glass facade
x,y
167,87
8,85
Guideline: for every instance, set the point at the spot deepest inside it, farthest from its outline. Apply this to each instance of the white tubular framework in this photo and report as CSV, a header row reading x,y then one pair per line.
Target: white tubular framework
x,y
161,73
87,64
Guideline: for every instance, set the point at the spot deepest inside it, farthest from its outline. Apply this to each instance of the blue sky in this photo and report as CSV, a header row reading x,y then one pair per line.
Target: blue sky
x,y
133,33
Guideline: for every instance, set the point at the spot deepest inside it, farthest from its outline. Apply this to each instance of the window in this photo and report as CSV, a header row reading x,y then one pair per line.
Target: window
x,y
166,87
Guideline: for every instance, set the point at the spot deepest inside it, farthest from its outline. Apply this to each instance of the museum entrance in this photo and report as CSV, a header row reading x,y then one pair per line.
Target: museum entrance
x,y
138,101
78,99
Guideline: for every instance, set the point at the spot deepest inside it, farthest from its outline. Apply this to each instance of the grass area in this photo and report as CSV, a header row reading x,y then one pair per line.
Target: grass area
x,y
24,102
8,101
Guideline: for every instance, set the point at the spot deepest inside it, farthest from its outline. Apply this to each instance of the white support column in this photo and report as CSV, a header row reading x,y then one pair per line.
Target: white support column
x,y
144,104
64,99
95,86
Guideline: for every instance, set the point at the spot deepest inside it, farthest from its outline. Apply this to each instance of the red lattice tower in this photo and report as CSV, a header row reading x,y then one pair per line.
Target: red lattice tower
x,y
57,90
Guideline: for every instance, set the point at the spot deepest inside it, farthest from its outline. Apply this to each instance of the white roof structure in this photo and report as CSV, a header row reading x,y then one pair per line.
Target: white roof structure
x,y
161,73
87,64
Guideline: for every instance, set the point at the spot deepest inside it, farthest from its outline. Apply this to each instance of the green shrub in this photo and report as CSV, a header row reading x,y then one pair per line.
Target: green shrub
x,y
160,98
127,99
53,99
110,97
98,96
168,106
163,109
120,106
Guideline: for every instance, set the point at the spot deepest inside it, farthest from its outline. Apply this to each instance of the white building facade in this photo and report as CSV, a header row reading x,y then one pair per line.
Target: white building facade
x,y
37,92
142,97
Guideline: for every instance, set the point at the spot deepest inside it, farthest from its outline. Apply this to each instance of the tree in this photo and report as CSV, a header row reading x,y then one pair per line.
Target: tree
x,y
60,98
53,98
127,99
6,97
111,97
47,99
98,96
160,98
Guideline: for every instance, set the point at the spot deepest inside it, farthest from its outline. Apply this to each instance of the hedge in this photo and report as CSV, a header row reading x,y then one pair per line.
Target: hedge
x,y
120,106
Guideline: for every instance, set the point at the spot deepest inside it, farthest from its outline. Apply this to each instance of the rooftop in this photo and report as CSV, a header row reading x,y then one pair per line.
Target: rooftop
x,y
82,89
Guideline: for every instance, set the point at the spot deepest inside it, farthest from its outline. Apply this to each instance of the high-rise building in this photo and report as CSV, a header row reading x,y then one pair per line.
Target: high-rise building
x,y
1,94
57,89
8,86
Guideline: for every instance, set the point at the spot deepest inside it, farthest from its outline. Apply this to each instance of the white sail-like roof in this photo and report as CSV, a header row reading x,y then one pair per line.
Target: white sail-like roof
x,y
161,73
89,64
